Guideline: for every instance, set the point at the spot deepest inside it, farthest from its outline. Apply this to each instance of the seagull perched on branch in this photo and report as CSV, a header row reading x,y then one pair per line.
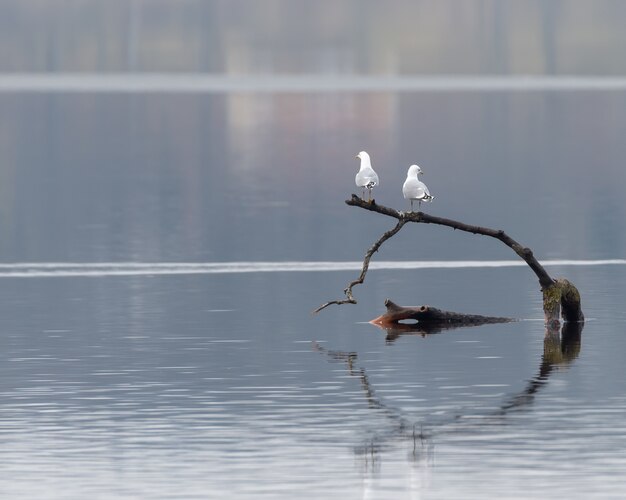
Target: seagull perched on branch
x,y
414,189
366,178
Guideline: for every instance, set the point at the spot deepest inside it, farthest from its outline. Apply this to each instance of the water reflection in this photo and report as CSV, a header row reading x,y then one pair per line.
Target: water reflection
x,y
562,346
148,176
419,329
397,425
146,368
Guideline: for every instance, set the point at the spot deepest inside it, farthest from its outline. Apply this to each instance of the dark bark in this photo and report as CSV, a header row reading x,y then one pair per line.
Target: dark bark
x,y
428,314
524,253
426,320
559,296
570,302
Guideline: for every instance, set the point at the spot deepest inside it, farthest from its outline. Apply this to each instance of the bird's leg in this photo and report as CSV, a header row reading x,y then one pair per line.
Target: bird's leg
x,y
411,205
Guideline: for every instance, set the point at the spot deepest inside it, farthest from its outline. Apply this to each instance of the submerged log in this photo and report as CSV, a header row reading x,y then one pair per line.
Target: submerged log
x,y
432,316
422,329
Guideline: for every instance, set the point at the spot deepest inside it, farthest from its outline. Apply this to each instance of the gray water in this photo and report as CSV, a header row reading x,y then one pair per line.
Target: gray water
x,y
162,249
154,346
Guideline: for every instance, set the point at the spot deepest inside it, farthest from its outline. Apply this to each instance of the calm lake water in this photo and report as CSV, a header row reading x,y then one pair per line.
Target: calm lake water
x,y
122,378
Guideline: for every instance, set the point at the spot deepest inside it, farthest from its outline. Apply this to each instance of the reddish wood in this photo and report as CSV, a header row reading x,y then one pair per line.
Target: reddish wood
x,y
431,315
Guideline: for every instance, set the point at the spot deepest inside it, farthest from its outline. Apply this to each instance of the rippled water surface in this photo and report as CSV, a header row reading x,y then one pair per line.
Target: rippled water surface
x,y
161,251
202,386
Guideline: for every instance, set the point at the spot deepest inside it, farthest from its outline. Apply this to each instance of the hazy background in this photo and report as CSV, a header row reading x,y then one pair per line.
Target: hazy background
x,y
165,164
298,36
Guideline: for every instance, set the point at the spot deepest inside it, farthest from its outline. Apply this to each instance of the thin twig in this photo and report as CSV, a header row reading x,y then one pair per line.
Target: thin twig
x,y
366,263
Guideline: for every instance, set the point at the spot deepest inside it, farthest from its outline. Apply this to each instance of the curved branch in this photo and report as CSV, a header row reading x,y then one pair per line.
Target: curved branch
x,y
524,253
366,263
559,296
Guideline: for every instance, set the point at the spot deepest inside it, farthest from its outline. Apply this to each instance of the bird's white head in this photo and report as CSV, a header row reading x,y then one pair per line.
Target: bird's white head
x,y
365,160
414,170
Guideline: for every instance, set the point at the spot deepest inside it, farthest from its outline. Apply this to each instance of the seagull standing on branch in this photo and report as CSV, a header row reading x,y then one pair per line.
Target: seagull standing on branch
x,y
366,178
414,189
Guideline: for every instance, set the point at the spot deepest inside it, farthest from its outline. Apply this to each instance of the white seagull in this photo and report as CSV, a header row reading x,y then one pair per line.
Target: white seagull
x,y
366,178
414,189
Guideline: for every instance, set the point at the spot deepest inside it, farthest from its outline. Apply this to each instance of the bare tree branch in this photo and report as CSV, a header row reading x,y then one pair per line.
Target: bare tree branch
x,y
559,296
420,217
366,263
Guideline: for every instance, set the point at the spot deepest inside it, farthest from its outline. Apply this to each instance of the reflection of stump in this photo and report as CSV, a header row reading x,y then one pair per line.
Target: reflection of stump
x,y
562,347
431,316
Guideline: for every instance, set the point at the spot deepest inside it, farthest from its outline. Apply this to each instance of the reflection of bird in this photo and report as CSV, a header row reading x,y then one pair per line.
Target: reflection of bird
x,y
414,189
366,178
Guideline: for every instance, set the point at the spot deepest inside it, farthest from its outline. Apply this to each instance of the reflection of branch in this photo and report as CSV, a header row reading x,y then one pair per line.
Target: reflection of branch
x,y
366,262
400,427
347,357
350,358
560,349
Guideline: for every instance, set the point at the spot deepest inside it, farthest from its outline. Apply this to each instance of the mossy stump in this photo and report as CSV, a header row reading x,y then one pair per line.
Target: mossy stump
x,y
562,298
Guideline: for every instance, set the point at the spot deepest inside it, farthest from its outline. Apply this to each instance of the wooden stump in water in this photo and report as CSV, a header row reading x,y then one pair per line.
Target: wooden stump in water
x,y
562,299
431,315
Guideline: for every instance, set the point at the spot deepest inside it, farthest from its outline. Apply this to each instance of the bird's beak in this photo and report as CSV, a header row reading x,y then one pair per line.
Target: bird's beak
x,y
357,156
